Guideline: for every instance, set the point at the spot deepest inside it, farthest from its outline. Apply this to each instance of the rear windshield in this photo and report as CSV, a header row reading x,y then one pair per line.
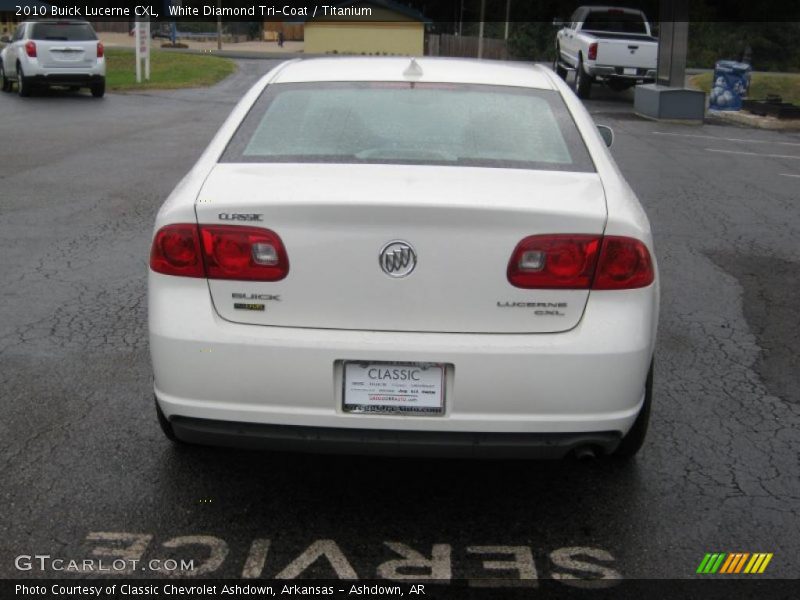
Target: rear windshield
x,y
410,123
65,32
615,21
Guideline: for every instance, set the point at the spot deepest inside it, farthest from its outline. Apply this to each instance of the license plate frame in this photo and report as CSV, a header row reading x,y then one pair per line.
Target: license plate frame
x,y
629,71
399,397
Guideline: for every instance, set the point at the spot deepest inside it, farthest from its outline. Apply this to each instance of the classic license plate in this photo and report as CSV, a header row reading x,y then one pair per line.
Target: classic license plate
x,y
629,71
394,388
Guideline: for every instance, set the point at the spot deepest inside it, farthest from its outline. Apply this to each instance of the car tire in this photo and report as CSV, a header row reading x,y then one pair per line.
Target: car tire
x,y
634,439
23,83
166,426
560,71
583,81
99,89
5,82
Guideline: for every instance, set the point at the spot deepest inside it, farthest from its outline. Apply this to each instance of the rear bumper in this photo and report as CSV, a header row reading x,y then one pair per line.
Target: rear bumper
x,y
619,73
80,79
383,442
62,75
586,380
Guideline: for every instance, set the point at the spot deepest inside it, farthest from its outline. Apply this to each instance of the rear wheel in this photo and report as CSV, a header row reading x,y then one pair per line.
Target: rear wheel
x,y
634,439
166,426
5,82
23,83
560,71
99,89
583,82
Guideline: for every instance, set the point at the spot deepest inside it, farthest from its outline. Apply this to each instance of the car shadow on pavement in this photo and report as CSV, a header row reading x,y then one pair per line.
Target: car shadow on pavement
x,y
407,498
61,93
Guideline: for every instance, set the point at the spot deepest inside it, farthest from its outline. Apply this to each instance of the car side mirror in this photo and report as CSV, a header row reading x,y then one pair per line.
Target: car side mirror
x,y
5,40
558,23
607,134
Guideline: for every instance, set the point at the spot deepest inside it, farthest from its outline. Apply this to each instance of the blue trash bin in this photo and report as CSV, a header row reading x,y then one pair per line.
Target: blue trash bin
x,y
730,85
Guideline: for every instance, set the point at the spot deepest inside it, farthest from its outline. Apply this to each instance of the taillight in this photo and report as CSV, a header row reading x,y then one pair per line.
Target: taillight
x,y
580,262
101,51
624,264
592,55
246,253
554,261
219,252
30,49
176,251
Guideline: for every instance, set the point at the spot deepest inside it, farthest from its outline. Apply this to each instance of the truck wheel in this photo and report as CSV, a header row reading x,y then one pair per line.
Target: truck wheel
x,y
5,82
23,83
560,71
583,82
634,439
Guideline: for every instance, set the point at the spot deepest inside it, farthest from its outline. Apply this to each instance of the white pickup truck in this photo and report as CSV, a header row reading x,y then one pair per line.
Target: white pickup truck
x,y
606,43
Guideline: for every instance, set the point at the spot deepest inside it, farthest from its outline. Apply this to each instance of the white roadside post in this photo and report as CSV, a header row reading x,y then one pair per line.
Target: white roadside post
x,y
142,50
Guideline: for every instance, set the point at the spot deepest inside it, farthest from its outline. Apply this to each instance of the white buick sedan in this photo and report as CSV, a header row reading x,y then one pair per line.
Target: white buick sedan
x,y
397,256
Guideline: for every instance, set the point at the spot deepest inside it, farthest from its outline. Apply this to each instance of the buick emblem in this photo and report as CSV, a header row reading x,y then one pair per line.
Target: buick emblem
x,y
397,259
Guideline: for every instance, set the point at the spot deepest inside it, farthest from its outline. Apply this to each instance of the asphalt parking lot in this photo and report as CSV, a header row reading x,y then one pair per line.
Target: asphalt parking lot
x,y
84,466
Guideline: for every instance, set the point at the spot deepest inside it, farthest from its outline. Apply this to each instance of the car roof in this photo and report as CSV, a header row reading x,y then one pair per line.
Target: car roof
x,y
433,70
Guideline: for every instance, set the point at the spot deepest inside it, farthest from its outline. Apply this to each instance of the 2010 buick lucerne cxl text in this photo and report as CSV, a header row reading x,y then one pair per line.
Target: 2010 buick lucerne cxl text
x,y
387,255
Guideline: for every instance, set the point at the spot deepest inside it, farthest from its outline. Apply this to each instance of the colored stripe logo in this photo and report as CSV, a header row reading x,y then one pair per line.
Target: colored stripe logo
x,y
731,563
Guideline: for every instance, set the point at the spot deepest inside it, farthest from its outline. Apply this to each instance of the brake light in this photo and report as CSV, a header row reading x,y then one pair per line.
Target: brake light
x,y
176,251
592,55
580,262
30,49
219,252
101,51
245,253
624,264
554,261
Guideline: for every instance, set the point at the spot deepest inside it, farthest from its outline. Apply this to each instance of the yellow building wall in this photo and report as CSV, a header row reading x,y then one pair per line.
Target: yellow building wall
x,y
342,37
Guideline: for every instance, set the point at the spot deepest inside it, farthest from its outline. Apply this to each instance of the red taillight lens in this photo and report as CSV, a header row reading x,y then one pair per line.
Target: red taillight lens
x,y
580,262
245,253
176,251
592,55
554,261
219,252
624,264
101,51
30,49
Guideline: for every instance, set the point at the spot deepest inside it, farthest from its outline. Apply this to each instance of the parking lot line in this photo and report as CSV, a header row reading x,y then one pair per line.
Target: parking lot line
x,y
723,139
788,175
752,153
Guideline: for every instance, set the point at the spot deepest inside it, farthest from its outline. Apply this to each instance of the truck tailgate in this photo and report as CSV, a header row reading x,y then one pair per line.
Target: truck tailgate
x,y
627,53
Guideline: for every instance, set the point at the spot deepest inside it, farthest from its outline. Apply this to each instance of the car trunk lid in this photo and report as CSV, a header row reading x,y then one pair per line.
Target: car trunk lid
x,y
462,222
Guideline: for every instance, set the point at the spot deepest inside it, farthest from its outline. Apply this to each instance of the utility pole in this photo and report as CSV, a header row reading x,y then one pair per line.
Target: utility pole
x,y
508,16
173,27
480,29
219,25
